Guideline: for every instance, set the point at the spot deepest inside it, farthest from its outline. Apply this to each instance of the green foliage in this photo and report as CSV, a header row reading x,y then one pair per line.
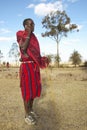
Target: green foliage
x,y
14,51
50,56
85,64
57,25
75,58
57,59
1,55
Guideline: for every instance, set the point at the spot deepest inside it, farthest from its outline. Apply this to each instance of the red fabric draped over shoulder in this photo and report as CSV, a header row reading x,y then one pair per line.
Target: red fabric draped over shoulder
x,y
33,49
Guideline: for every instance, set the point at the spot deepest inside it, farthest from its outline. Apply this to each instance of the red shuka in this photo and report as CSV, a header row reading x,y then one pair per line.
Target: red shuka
x,y
30,81
33,49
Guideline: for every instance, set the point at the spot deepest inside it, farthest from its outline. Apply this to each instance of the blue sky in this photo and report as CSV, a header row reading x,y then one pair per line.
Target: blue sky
x,y
12,14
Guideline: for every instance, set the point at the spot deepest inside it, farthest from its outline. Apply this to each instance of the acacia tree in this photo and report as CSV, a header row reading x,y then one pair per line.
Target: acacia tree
x,y
57,59
85,63
50,56
14,52
75,58
57,25
1,56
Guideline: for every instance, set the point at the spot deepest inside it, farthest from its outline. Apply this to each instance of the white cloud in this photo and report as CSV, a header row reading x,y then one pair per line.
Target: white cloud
x,y
71,41
4,31
43,9
79,27
3,39
43,0
30,6
40,0
72,1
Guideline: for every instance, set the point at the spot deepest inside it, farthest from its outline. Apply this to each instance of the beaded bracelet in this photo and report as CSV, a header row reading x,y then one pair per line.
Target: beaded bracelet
x,y
28,37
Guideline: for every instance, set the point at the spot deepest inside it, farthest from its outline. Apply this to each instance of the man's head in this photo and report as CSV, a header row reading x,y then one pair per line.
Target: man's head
x,y
28,24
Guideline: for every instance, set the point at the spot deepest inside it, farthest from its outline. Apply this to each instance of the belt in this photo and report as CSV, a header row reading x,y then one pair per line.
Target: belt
x,y
27,62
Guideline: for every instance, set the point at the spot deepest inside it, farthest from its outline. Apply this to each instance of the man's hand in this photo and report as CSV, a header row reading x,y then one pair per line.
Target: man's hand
x,y
28,28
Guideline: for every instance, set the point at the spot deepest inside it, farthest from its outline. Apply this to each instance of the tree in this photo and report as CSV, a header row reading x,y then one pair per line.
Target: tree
x,y
75,58
85,64
49,57
1,56
57,59
14,52
57,25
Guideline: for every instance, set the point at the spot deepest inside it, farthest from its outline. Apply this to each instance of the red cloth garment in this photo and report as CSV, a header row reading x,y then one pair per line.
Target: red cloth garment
x,y
30,82
33,49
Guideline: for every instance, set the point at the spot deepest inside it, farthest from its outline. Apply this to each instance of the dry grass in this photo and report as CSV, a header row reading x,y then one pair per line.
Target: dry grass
x,y
62,105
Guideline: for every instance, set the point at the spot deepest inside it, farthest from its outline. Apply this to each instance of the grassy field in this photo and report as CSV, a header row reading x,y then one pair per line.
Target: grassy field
x,y
62,105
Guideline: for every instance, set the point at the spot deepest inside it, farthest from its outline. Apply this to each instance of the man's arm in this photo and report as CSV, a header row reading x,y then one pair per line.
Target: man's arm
x,y
25,44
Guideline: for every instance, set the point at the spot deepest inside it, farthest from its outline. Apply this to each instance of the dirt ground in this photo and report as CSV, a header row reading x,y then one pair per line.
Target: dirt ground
x,y
62,105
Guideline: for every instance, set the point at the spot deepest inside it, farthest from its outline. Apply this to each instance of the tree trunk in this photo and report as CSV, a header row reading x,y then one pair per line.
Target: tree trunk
x,y
58,54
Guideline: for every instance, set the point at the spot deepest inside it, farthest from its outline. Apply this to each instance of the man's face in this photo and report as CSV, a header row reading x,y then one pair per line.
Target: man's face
x,y
29,26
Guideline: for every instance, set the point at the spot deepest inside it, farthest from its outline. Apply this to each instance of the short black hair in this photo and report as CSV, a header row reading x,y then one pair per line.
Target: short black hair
x,y
25,21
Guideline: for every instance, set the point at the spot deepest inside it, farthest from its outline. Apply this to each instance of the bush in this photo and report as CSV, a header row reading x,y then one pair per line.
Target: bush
x,y
85,64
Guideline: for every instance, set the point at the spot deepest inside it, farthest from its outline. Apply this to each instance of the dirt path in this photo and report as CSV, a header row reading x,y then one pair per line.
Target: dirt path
x,y
62,105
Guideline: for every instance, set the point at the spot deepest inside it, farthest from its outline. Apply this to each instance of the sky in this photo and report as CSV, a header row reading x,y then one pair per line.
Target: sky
x,y
12,14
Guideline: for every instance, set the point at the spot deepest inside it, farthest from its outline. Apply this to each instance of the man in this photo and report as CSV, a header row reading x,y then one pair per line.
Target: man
x,y
31,62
